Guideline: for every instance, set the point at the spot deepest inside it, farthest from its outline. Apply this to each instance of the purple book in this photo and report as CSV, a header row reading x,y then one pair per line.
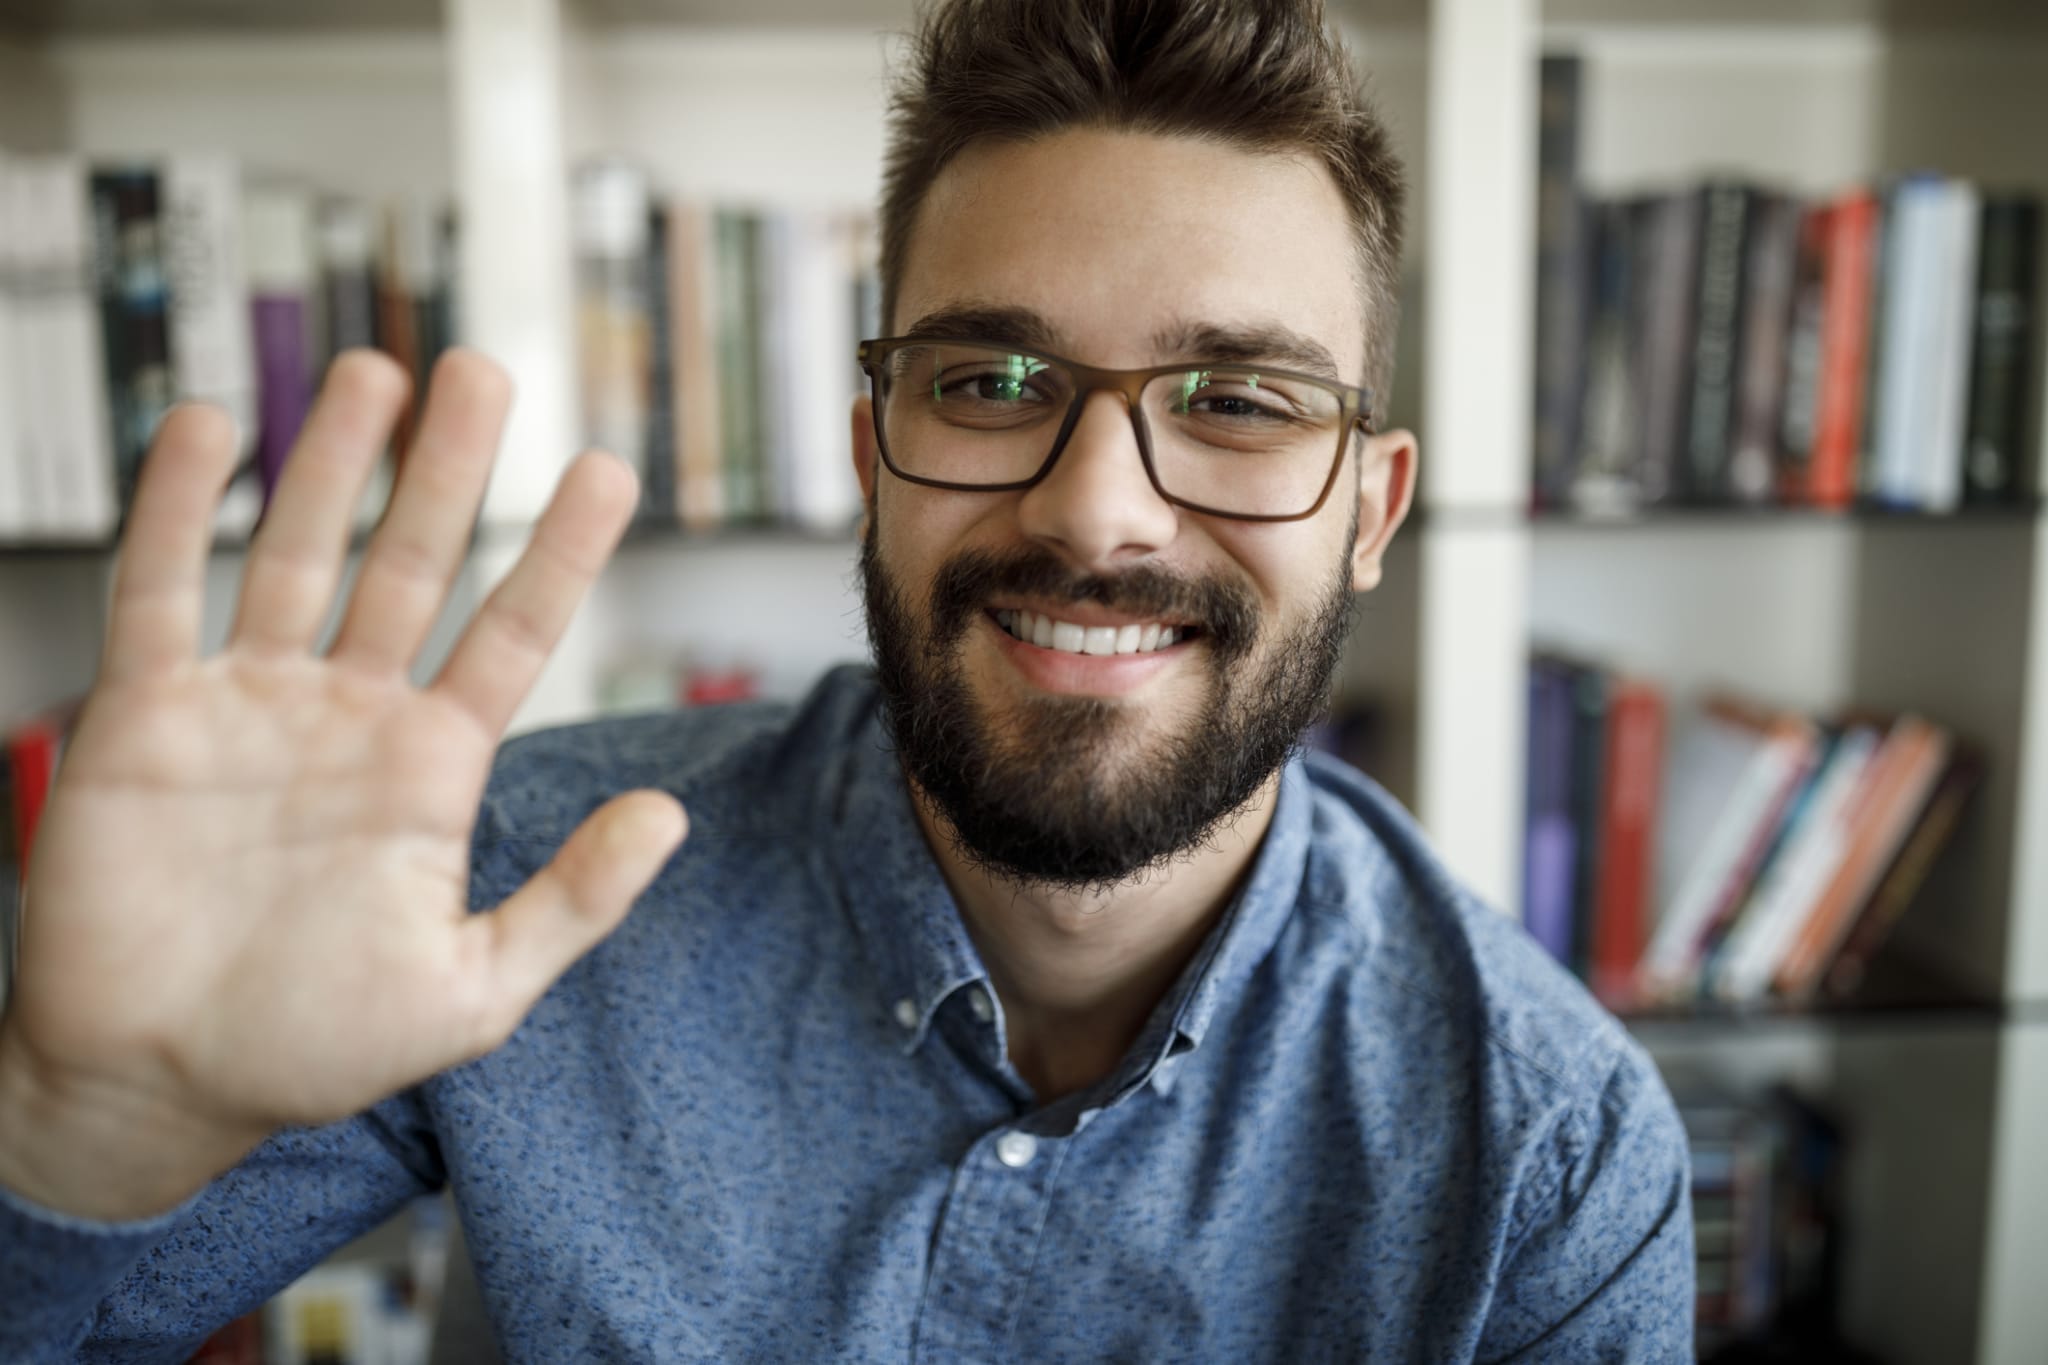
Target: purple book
x,y
1550,853
281,279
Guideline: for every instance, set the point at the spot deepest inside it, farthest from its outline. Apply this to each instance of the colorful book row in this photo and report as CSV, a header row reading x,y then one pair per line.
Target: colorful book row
x,y
126,288
1747,854
1729,343
717,350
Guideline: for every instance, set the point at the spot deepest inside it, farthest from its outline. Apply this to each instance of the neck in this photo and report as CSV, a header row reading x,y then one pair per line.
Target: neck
x,y
1079,972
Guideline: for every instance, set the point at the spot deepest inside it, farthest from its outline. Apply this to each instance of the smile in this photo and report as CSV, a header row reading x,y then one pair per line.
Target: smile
x,y
1050,633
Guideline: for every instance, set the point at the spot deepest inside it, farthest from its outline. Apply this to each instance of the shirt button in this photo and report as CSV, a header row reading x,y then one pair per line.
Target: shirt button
x,y
906,1012
1016,1149
978,1001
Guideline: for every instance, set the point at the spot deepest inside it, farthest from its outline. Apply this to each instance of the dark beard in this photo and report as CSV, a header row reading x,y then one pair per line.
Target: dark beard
x,y
1046,801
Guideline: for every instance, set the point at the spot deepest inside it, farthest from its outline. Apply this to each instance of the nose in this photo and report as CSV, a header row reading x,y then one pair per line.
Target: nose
x,y
1097,505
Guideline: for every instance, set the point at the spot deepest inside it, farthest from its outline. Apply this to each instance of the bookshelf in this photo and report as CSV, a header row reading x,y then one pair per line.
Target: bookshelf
x,y
780,102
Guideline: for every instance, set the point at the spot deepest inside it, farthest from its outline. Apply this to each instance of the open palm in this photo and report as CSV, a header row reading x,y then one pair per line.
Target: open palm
x,y
247,903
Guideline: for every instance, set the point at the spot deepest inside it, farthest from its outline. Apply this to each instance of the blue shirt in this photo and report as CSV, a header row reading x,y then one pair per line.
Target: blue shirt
x,y
771,1118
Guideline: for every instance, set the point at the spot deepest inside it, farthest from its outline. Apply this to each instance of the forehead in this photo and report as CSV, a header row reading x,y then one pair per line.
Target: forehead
x,y
1118,239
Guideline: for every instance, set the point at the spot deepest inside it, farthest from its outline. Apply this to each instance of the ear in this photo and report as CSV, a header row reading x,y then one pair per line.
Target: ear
x,y
866,455
1386,489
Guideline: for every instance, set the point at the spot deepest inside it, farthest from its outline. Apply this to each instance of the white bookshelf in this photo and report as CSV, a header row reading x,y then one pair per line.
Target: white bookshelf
x,y
779,102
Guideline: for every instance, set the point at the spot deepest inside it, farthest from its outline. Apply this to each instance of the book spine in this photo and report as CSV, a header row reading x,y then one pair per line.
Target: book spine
x,y
1760,400
822,334
1550,852
1902,880
135,327
398,323
1938,454
1589,765
694,313
613,341
1665,335
1849,291
1905,772
204,267
79,443
347,244
658,479
16,520
1905,360
281,279
1790,885
1798,417
1563,287
1634,779
1607,474
738,411
1725,211
1719,873
1995,467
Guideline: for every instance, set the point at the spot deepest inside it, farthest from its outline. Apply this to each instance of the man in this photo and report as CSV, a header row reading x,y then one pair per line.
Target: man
x,y
1030,1000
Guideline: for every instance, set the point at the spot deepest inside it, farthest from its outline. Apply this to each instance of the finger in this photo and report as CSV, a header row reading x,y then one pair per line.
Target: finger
x,y
494,664
159,595
570,905
295,561
419,548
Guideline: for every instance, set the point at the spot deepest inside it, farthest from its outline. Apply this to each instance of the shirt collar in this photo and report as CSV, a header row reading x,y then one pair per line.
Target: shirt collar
x,y
905,914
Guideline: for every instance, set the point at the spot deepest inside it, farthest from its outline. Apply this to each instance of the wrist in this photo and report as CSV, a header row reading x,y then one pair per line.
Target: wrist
x,y
97,1151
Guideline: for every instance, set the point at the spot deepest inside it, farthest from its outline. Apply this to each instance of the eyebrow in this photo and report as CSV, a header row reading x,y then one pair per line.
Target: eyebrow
x,y
1211,343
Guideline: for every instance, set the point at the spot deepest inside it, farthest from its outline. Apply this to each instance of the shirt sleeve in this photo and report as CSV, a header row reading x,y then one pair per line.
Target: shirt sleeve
x,y
1603,1268
153,1289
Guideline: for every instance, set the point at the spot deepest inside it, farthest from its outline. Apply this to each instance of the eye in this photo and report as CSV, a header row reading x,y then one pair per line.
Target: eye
x,y
1238,397
1008,381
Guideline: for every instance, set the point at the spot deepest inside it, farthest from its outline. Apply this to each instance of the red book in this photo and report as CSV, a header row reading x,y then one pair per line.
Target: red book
x,y
1844,349
1632,782
31,763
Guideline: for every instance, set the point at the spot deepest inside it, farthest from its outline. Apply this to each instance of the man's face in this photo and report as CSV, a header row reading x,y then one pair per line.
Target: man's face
x,y
1074,769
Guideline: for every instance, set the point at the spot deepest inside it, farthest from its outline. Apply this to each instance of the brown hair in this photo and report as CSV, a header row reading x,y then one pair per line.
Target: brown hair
x,y
1261,74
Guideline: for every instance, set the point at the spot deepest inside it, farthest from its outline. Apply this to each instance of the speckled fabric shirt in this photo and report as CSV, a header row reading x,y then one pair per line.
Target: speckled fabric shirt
x,y
772,1119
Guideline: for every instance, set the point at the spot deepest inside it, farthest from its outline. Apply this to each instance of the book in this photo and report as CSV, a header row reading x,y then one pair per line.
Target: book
x,y
658,477
694,319
1902,776
134,303
1769,272
1732,776
1849,230
1550,855
206,274
59,339
1995,466
1938,453
1724,214
1931,831
1815,843
1904,372
1668,265
1630,787
282,282
1589,694
609,213
345,232
1604,473
1563,284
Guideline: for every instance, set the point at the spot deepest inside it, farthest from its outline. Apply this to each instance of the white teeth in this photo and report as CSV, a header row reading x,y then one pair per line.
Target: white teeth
x,y
1048,633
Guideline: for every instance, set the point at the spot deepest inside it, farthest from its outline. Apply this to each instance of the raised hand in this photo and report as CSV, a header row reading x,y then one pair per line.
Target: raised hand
x,y
247,902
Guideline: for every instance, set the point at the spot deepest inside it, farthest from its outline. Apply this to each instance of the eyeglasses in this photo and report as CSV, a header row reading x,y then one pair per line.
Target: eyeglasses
x,y
1236,441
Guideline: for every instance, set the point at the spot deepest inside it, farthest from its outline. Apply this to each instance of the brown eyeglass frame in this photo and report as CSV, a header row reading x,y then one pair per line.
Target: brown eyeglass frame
x,y
1357,415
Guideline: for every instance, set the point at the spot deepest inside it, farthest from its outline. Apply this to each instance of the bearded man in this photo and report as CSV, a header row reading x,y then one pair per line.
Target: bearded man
x,y
1029,997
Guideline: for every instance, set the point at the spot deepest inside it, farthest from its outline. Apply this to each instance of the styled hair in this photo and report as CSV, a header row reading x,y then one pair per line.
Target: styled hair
x,y
1264,75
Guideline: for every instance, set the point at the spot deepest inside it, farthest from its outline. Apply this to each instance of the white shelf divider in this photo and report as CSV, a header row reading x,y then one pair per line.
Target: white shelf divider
x,y
1480,219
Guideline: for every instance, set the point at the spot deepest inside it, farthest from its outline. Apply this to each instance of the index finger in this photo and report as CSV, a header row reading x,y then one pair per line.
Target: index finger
x,y
160,569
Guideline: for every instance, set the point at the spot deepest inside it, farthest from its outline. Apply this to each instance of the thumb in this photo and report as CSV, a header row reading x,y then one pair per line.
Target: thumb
x,y
569,906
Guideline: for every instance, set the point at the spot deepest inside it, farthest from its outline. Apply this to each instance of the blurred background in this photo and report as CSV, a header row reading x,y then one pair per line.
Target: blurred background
x,y
1716,650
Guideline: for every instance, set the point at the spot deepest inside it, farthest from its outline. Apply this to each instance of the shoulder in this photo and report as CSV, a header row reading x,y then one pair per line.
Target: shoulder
x,y
1550,1064
748,768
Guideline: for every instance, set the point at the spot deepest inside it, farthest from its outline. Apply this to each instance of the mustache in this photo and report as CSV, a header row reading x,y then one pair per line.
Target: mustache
x,y
1225,611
